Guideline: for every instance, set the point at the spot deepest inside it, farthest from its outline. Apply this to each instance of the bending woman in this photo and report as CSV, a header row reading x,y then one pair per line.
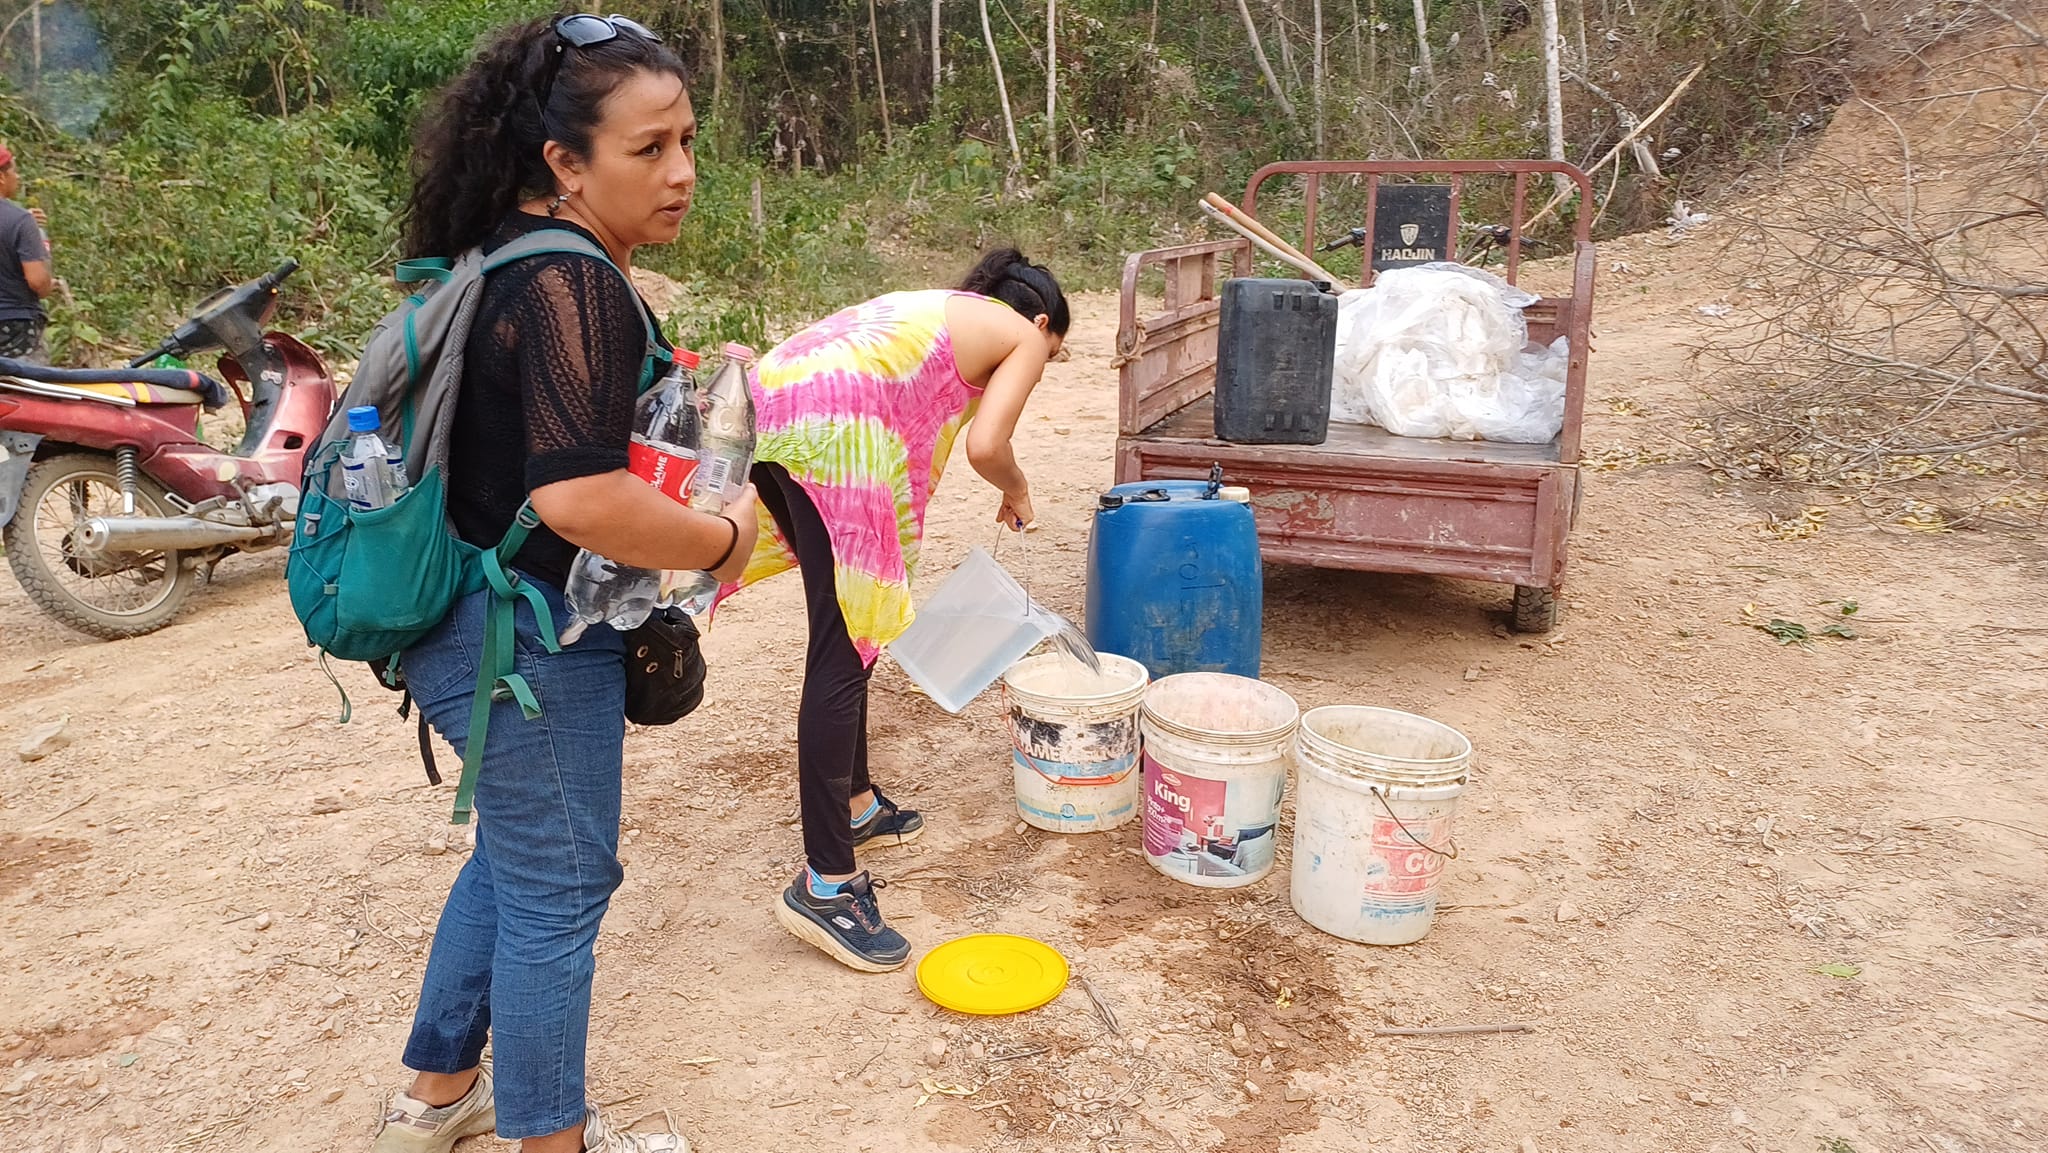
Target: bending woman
x,y
857,415
581,124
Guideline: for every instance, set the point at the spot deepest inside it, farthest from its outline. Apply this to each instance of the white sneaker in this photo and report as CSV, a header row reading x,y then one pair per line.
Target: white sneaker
x,y
600,1137
413,1126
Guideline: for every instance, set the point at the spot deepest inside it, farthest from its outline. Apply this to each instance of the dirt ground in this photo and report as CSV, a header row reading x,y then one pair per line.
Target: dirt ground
x,y
215,903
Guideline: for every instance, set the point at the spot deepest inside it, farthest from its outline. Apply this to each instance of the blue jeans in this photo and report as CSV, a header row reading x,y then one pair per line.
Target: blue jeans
x,y
512,957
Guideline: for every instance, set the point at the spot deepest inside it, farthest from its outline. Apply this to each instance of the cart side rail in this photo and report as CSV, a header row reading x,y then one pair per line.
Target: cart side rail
x,y
1167,361
1527,176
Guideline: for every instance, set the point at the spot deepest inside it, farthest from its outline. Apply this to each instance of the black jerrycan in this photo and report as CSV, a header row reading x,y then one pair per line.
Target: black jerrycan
x,y
1276,349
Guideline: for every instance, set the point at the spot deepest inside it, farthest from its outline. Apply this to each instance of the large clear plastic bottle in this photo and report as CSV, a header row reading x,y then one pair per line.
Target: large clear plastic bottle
x,y
372,472
663,453
725,456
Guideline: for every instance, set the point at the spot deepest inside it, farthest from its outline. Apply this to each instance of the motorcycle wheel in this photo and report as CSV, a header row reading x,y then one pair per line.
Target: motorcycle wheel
x,y
122,596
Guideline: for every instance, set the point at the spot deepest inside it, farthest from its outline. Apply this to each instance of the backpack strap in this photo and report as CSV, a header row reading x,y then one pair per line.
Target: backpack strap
x,y
559,240
496,679
426,740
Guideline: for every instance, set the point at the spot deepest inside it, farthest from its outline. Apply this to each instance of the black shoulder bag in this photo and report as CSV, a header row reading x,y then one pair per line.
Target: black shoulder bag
x,y
664,669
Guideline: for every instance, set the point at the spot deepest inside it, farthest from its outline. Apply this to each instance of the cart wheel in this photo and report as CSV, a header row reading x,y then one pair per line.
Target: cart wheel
x,y
1535,609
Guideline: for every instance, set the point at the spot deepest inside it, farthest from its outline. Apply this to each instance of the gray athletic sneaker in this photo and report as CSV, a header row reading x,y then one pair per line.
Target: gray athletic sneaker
x,y
847,925
888,825
413,1126
600,1137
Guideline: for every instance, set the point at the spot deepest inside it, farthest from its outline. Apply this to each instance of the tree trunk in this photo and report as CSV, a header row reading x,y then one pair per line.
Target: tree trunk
x,y
1553,95
1287,60
1579,34
1052,78
1316,72
718,57
938,66
1357,42
1372,56
1485,32
881,83
995,61
853,67
1259,54
1422,42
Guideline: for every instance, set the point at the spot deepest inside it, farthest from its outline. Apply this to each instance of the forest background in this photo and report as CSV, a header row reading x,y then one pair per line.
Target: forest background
x,y
855,145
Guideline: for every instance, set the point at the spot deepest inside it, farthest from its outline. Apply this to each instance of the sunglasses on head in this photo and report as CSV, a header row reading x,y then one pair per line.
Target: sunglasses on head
x,y
585,30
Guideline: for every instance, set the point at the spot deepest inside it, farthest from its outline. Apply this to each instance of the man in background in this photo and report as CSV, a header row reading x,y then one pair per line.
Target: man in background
x,y
25,277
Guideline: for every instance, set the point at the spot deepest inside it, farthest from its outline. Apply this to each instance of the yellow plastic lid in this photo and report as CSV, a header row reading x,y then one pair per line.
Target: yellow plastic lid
x,y
990,974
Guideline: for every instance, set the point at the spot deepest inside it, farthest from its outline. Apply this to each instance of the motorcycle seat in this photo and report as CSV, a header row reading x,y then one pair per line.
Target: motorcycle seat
x,y
132,391
142,393
172,386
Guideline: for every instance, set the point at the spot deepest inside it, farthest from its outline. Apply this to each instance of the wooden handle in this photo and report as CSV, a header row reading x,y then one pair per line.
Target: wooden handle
x,y
1251,224
1306,268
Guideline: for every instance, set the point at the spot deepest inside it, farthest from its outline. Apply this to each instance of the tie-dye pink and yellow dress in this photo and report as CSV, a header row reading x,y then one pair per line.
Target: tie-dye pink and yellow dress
x,y
862,408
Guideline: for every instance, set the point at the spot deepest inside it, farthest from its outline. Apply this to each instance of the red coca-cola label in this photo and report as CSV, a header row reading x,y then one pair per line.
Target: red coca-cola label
x,y
1411,851
664,470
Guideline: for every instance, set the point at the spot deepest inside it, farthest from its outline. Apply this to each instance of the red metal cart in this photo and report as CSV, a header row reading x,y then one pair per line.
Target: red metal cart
x,y
1365,498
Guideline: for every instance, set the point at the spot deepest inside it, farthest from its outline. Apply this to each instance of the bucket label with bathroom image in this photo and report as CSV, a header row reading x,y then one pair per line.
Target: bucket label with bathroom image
x,y
1209,828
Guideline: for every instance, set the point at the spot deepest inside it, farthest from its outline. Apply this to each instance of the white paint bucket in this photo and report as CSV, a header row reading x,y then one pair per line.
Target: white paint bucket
x,y
1215,756
1373,807
1074,740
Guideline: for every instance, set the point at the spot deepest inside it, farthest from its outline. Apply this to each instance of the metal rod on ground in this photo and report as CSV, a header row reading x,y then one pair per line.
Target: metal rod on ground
x,y
1451,1030
1638,130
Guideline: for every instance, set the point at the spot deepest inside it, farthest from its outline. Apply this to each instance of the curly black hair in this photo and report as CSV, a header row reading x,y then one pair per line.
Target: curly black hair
x,y
477,153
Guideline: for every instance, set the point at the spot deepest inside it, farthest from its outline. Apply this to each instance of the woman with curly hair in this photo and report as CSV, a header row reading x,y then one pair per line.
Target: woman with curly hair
x,y
582,124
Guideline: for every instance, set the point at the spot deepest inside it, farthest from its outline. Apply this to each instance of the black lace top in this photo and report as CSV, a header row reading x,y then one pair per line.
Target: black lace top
x,y
548,387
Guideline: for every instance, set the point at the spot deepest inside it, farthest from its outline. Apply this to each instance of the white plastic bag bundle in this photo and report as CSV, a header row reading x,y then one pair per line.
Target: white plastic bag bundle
x,y
1443,351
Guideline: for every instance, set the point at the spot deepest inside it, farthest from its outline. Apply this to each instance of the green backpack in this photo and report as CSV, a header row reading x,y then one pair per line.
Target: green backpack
x,y
369,584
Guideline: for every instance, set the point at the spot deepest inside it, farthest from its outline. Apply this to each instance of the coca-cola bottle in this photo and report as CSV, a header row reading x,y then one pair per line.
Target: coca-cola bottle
x,y
663,452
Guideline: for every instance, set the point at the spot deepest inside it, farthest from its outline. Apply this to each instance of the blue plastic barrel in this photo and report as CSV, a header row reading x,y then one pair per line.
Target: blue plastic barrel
x,y
1174,580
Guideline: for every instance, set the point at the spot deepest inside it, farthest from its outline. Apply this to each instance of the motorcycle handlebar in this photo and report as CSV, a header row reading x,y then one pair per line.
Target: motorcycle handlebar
x,y
188,334
163,349
1354,236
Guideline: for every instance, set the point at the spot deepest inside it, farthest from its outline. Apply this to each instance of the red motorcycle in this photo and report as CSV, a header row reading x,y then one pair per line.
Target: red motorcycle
x,y
110,504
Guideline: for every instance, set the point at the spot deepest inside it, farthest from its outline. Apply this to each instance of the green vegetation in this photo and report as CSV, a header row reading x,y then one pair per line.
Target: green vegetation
x,y
180,146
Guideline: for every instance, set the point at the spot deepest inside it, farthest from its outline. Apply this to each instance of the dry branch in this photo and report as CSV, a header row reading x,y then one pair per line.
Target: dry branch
x,y
1899,334
1544,212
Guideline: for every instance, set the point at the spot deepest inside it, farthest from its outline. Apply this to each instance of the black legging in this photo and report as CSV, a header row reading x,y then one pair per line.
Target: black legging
x,y
832,721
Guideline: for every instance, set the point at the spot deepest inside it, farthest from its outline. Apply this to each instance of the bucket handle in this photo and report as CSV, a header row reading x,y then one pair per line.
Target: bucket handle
x,y
995,553
1418,842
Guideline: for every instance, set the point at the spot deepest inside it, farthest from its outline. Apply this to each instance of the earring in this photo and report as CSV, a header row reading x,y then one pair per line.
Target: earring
x,y
555,205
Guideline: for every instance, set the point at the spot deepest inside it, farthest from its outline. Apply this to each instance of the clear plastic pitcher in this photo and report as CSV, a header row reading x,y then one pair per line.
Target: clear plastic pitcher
x,y
978,624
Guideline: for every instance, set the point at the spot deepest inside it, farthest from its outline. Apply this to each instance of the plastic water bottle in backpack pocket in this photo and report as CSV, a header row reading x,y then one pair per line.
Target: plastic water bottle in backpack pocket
x,y
374,566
